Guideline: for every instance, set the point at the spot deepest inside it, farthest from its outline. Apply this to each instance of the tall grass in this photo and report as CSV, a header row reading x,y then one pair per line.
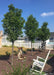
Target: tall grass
x,y
18,70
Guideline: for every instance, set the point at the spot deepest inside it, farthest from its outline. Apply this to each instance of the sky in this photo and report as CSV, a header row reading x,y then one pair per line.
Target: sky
x,y
42,10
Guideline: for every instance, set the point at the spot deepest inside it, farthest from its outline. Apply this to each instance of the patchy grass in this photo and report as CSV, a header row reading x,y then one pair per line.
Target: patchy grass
x,y
41,60
3,50
33,72
7,46
8,49
51,55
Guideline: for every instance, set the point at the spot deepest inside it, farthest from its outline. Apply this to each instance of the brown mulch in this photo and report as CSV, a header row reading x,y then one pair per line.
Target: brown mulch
x,y
5,62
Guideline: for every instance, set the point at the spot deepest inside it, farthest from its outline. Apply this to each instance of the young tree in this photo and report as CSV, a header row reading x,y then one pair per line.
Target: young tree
x,y
31,27
12,24
44,34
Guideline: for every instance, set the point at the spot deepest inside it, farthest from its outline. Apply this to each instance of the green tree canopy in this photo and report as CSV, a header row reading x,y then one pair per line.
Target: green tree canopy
x,y
44,34
31,27
13,24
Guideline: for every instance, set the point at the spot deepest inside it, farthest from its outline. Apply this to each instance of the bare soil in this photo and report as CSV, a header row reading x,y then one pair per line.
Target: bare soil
x,y
5,61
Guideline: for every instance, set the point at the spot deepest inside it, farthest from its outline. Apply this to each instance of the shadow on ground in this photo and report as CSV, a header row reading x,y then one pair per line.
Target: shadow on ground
x,y
51,63
4,57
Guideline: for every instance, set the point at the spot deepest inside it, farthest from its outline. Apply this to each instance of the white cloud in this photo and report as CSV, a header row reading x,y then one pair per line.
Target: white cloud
x,y
47,14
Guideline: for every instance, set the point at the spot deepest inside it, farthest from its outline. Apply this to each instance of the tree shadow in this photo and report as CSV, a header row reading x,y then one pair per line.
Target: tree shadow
x,y
51,63
4,57
9,62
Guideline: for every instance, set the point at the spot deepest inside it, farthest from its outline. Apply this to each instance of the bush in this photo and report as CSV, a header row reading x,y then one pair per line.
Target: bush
x,y
33,49
15,52
7,53
28,49
24,52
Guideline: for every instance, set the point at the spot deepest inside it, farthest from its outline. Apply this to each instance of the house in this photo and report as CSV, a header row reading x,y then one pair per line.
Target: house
x,y
51,39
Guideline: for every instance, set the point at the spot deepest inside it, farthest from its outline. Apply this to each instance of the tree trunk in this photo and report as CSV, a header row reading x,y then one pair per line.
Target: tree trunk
x,y
43,45
31,45
12,51
31,48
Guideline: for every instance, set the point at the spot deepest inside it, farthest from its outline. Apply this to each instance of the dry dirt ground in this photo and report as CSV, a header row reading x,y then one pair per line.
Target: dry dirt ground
x,y
5,61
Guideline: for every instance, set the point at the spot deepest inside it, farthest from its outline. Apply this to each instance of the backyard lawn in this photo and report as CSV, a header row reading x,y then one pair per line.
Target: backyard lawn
x,y
3,50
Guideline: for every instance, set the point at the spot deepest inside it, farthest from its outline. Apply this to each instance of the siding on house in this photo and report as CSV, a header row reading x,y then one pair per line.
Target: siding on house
x,y
52,37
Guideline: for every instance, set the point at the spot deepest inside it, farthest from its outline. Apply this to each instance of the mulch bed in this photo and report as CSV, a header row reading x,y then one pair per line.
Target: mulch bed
x,y
5,61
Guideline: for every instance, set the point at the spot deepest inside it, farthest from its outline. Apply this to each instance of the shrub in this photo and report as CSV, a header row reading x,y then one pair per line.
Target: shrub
x,y
24,52
15,52
33,49
28,49
7,53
